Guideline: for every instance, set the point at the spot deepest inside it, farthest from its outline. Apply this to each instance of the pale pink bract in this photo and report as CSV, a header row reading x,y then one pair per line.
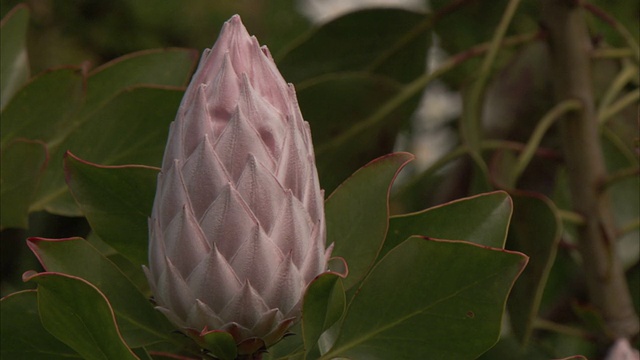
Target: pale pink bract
x,y
237,230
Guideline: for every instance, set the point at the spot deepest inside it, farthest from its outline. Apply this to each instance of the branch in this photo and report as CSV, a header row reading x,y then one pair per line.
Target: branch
x,y
606,283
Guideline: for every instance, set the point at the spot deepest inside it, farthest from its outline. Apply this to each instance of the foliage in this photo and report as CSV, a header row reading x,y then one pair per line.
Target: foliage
x,y
435,256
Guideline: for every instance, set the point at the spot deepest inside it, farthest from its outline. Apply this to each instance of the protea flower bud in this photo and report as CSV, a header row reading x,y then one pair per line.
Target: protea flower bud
x,y
237,230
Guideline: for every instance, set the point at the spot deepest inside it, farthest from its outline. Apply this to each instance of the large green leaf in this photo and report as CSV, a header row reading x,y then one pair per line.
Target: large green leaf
x,y
140,324
117,202
390,42
14,64
481,219
429,299
164,67
357,214
44,108
78,314
349,133
132,128
118,114
323,305
23,337
22,162
535,231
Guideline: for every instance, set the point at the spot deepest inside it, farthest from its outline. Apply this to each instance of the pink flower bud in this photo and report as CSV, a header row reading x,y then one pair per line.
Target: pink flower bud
x,y
237,230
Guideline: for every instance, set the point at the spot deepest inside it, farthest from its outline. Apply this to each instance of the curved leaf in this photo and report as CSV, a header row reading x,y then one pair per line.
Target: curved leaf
x,y
140,324
23,337
347,134
357,214
79,315
58,95
481,219
391,42
536,231
429,299
22,163
132,128
117,202
14,63
323,305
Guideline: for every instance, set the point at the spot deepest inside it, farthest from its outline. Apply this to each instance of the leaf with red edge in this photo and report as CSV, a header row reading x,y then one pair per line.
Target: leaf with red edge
x,y
429,299
357,214
23,337
78,314
140,324
117,202
482,219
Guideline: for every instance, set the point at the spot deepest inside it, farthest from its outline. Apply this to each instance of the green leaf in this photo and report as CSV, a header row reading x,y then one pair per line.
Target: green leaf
x,y
121,118
357,214
429,299
158,67
348,134
23,337
323,305
79,315
132,128
14,62
390,42
43,109
221,345
536,230
117,202
22,164
481,219
140,324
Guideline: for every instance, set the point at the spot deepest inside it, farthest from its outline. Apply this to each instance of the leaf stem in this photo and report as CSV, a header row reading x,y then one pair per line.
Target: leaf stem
x,y
413,88
615,24
541,128
616,107
580,134
473,134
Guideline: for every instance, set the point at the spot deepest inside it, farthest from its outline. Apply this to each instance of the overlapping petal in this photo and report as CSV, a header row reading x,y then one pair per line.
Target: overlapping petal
x,y
237,227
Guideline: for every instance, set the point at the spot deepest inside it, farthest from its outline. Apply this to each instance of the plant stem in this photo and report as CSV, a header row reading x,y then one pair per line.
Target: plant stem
x,y
570,48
